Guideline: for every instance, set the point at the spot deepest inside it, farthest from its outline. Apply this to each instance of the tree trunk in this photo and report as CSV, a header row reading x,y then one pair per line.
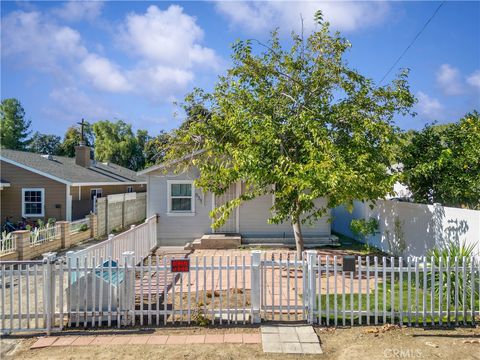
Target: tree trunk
x,y
297,230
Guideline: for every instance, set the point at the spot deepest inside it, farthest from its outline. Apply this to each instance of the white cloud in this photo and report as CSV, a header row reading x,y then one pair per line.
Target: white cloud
x,y
76,10
167,46
474,79
449,80
104,74
157,82
258,17
28,39
428,106
170,38
72,104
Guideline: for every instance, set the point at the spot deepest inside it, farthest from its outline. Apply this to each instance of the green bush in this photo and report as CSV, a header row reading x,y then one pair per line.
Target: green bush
x,y
364,228
453,250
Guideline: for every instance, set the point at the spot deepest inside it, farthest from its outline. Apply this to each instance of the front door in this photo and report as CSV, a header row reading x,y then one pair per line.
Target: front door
x,y
231,225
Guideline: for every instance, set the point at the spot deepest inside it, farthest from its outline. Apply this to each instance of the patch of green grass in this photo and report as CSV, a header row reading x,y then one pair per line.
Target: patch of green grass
x,y
354,247
385,302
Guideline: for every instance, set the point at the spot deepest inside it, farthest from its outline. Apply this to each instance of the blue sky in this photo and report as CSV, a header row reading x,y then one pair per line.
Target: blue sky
x,y
132,60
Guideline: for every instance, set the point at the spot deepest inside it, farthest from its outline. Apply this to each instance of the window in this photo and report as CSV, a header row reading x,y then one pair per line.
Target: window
x,y
33,202
129,189
181,197
95,193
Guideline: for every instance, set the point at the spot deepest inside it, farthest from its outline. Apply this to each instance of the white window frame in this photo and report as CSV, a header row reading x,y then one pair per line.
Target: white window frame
x,y
171,212
97,190
129,189
42,214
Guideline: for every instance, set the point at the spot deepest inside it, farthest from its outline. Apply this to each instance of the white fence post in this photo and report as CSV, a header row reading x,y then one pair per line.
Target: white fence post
x,y
255,282
129,284
49,289
109,249
134,235
311,291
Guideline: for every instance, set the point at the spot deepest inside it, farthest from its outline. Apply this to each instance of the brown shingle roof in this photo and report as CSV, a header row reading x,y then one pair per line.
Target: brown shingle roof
x,y
65,168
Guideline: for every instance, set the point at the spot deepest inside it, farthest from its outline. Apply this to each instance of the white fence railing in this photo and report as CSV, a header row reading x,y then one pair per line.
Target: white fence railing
x,y
41,235
238,289
140,239
79,225
7,243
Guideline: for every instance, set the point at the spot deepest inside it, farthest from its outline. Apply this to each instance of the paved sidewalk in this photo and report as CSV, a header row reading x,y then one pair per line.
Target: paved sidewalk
x,y
290,339
147,340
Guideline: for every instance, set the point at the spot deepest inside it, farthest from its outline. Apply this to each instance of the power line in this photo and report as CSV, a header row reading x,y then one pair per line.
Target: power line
x,y
413,41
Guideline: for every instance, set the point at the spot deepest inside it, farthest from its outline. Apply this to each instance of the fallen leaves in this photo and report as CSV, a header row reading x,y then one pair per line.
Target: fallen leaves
x,y
383,329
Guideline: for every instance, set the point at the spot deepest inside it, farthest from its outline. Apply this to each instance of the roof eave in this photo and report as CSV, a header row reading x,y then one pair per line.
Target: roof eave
x,y
115,183
167,164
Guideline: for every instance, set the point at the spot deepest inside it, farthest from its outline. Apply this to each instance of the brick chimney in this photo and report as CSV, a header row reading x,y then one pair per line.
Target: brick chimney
x,y
82,155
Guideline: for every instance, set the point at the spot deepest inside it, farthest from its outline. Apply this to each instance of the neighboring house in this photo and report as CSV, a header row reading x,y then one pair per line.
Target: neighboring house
x,y
184,210
45,186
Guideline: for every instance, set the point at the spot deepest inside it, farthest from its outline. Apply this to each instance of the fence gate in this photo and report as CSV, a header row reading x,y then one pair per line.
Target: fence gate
x,y
31,296
283,285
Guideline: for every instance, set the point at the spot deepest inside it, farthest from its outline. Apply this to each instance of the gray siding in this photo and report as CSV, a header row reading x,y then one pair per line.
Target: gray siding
x,y
178,230
255,213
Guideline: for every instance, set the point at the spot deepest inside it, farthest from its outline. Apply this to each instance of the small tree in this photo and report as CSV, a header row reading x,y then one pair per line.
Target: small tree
x,y
364,228
14,128
296,123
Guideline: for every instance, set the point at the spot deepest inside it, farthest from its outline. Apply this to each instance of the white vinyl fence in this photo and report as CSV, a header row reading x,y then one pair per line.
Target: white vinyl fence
x,y
99,292
140,239
41,235
7,243
410,229
79,225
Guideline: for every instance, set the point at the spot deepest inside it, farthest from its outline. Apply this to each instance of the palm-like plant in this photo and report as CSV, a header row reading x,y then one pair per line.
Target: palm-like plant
x,y
452,255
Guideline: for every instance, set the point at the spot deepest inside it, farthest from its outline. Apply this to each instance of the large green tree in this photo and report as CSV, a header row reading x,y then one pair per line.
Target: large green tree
x,y
116,142
73,137
442,163
45,144
14,128
156,148
297,123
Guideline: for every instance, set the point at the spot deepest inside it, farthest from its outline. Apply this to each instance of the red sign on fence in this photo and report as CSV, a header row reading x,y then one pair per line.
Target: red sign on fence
x,y
180,265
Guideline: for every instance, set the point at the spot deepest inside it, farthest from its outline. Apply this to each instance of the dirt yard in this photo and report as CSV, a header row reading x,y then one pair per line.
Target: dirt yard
x,y
350,343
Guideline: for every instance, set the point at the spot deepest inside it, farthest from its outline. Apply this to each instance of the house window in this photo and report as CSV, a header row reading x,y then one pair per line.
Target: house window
x,y
33,202
95,193
181,197
129,189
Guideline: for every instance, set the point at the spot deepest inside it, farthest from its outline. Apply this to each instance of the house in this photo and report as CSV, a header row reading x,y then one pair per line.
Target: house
x,y
184,210
45,186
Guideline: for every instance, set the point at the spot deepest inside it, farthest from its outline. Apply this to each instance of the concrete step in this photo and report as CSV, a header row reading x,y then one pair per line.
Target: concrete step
x,y
332,239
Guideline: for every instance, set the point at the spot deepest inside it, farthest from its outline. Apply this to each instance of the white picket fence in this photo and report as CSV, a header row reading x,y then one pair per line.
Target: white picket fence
x,y
99,292
77,225
140,239
7,243
40,235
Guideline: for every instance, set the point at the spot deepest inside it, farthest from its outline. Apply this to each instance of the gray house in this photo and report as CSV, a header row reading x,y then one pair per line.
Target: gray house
x,y
184,210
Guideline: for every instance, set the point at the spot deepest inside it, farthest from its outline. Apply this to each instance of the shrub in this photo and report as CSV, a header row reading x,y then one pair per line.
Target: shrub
x,y
364,228
453,250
